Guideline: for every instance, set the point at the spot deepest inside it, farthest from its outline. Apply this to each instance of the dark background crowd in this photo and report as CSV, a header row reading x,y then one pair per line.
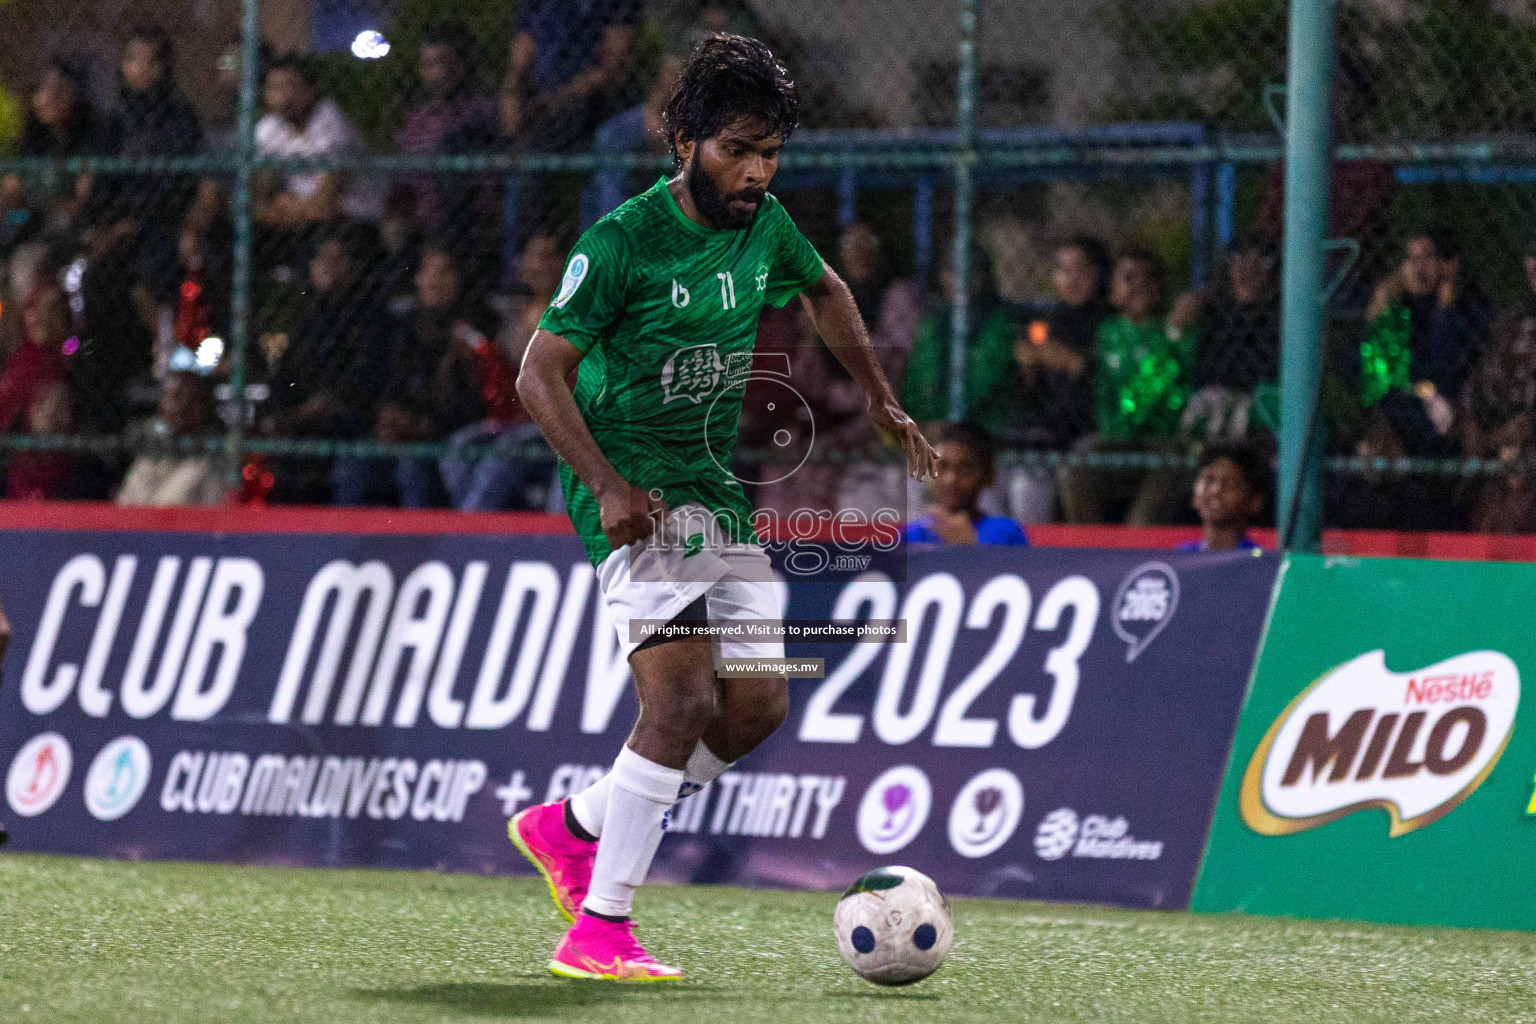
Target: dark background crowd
x,y
394,308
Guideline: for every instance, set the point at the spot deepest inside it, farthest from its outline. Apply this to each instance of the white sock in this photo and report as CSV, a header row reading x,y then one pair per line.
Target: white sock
x,y
703,767
640,794
590,806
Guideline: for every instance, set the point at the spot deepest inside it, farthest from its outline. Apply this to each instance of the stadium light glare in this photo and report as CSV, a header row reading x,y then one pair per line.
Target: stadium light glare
x,y
370,44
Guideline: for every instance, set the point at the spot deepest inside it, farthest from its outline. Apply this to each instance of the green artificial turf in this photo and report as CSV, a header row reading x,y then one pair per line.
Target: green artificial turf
x,y
121,943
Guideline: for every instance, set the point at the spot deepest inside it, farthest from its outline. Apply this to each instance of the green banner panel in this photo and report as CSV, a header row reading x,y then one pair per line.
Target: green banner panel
x,y
1382,770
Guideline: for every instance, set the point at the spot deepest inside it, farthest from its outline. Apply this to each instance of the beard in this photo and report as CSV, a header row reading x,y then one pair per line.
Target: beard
x,y
714,203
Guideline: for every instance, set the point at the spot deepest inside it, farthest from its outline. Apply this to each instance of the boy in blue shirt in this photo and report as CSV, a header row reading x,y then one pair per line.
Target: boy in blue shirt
x,y
966,467
1229,494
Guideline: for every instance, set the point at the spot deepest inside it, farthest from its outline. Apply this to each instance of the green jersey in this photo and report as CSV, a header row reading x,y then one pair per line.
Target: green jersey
x,y
666,313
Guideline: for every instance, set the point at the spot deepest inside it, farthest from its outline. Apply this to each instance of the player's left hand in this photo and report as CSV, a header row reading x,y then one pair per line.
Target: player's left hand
x,y
922,460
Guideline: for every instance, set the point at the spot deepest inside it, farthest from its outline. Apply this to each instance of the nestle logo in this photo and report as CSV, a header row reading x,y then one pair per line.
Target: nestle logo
x,y
1413,744
1450,689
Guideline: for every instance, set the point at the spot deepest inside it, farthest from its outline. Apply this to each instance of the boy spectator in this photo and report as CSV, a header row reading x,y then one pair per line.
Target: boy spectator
x,y
1427,328
186,410
300,122
1141,384
430,387
993,394
966,467
1228,496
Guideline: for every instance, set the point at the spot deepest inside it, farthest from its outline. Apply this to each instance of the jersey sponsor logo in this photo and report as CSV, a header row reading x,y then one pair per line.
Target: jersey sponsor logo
x,y
117,778
575,273
986,812
1145,605
1414,744
894,809
691,373
39,772
680,296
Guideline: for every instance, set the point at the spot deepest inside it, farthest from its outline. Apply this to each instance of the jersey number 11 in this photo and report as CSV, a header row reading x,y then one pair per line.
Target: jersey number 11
x,y
727,290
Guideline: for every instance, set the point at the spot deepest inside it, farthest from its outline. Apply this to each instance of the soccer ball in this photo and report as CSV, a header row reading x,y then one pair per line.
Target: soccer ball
x,y
893,926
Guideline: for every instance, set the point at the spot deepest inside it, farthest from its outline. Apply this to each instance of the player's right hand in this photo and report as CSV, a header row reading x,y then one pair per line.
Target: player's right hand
x,y
629,514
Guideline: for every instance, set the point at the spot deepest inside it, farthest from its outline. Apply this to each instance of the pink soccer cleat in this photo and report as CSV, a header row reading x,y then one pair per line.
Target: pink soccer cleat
x,y
602,950
565,862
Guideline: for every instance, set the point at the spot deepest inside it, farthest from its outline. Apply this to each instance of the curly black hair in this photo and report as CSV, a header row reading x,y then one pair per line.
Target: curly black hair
x,y
730,77
972,436
1251,464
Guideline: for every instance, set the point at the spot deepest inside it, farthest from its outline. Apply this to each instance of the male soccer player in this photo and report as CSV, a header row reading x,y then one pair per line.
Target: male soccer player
x,y
659,309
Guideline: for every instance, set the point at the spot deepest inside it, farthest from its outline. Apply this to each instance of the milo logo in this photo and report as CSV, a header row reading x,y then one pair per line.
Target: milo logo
x,y
1414,744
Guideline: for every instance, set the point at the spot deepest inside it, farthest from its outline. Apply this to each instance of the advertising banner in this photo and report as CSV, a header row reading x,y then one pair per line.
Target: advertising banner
x,y
1054,725
1381,770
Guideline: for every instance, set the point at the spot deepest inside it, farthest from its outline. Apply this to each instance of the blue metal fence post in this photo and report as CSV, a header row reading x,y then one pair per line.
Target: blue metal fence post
x,y
1307,166
240,287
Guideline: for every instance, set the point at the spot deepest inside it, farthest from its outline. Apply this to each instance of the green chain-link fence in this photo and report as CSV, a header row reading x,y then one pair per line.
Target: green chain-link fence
x,y
325,300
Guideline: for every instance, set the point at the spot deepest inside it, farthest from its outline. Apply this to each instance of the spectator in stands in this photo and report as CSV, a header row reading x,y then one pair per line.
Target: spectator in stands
x,y
1528,266
42,475
301,122
891,306
1239,342
568,70
33,397
639,129
993,392
1054,354
186,410
60,123
569,67
325,376
966,466
451,115
1142,363
221,138
1498,421
430,387
892,309
1428,324
38,359
1230,485
502,475
151,119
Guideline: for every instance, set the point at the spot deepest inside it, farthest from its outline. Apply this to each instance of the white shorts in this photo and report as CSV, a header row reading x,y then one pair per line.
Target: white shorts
x,y
657,579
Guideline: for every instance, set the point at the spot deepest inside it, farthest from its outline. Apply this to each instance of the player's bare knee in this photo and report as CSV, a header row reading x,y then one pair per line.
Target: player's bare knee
x,y
679,712
768,709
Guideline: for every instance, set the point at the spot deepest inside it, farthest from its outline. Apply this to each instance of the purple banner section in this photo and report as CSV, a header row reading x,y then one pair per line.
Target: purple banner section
x,y
1055,727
